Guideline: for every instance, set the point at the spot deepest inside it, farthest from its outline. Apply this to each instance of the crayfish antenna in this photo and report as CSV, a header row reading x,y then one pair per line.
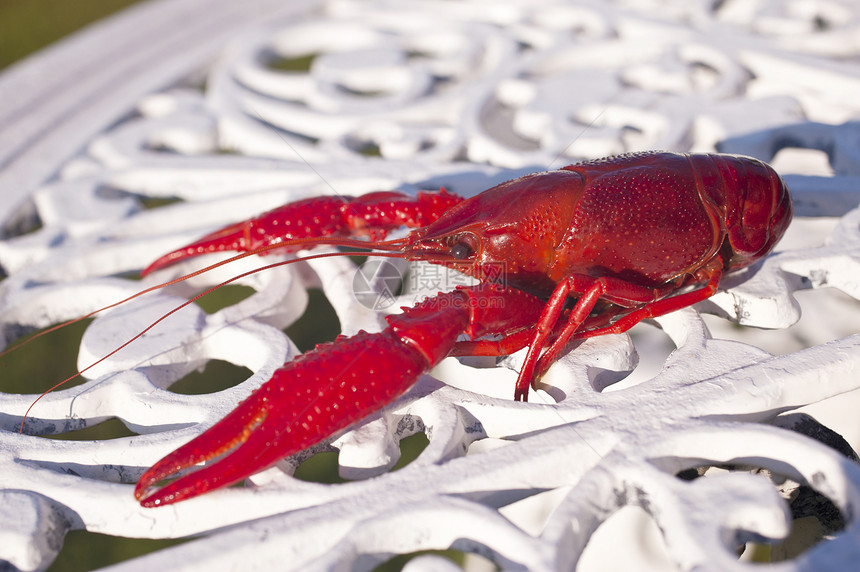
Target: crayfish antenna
x,y
149,327
138,294
351,243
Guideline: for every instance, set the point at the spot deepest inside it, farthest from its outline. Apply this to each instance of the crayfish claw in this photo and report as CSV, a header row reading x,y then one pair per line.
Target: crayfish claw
x,y
306,400
232,438
325,391
227,470
231,238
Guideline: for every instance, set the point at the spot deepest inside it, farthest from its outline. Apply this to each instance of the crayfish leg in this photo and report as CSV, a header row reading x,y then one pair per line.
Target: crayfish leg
x,y
655,309
651,306
591,289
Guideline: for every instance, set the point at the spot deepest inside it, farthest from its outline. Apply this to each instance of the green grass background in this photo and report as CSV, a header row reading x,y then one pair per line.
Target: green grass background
x,y
28,25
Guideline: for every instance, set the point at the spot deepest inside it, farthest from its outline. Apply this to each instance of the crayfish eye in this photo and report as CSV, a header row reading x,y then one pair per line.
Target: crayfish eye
x,y
464,247
460,251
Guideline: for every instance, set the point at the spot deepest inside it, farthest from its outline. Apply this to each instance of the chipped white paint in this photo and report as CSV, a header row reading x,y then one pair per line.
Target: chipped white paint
x,y
456,94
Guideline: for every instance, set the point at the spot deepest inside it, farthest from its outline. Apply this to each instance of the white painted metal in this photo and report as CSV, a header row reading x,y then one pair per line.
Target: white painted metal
x,y
463,95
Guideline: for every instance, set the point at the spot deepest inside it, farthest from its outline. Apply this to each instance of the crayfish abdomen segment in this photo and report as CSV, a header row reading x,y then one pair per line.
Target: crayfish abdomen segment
x,y
640,222
653,218
753,200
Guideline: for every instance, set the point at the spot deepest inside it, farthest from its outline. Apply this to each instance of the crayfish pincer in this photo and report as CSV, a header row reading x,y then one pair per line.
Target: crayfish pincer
x,y
587,250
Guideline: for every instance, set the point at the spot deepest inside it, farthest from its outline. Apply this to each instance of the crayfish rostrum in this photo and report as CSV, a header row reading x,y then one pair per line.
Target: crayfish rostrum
x,y
589,249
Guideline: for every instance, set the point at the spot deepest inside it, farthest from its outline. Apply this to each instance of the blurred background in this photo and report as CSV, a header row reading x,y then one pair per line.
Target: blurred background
x,y
27,25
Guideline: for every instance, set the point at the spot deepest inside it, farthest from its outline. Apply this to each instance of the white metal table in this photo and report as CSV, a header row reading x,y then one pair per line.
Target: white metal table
x,y
235,108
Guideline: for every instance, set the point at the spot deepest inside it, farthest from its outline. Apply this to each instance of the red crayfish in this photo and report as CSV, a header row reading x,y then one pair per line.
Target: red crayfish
x,y
586,250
